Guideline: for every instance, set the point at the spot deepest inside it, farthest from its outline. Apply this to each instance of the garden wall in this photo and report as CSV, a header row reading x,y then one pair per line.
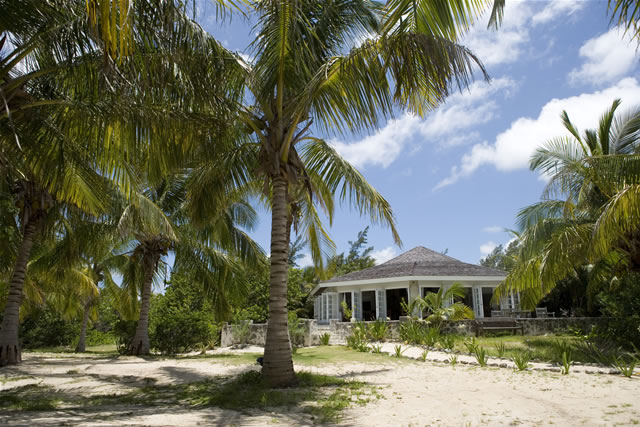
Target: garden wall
x,y
256,334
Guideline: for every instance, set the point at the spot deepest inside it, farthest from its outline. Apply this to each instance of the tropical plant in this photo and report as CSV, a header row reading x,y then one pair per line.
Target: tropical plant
x,y
627,365
567,361
440,306
358,338
303,74
424,354
481,355
447,341
378,330
324,338
398,350
594,220
346,311
453,360
376,348
73,106
521,359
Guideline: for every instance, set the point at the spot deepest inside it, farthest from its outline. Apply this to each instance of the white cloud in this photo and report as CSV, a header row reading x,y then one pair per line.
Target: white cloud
x,y
555,9
477,105
502,46
384,255
486,248
493,229
305,261
513,148
607,58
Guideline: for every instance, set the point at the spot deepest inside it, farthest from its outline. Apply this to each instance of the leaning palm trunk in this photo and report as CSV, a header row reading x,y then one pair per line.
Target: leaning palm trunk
x,y
277,368
82,341
10,352
140,343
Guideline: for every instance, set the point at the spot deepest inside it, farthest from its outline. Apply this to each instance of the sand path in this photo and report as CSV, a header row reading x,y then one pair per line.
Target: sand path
x,y
415,393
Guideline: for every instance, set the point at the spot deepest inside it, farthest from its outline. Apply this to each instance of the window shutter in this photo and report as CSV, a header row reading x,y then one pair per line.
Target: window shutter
x,y
333,304
316,310
477,302
381,304
356,297
516,300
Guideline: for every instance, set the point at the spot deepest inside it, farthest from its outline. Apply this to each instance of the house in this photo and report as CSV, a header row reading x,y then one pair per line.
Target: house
x,y
377,292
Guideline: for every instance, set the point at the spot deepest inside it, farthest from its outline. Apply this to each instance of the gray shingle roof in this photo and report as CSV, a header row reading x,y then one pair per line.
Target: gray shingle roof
x,y
420,261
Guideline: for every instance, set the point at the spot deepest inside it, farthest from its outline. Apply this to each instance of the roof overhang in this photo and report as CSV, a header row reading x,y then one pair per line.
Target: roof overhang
x,y
407,279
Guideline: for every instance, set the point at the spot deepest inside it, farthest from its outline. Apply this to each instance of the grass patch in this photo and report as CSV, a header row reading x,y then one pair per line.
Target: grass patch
x,y
30,397
105,349
315,356
541,348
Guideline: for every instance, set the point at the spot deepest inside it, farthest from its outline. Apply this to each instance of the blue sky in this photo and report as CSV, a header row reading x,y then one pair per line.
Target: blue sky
x,y
457,177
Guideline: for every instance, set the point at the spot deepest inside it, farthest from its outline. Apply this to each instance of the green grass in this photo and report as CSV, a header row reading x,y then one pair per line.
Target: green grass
x,y
315,356
105,349
540,347
322,396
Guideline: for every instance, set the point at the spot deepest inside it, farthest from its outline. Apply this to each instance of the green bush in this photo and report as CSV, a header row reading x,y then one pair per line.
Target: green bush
x,y
45,328
358,338
378,330
181,320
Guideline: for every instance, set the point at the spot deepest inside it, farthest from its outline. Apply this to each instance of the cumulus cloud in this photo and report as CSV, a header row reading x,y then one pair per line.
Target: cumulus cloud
x,y
513,148
384,255
477,105
607,57
487,248
493,229
555,9
305,261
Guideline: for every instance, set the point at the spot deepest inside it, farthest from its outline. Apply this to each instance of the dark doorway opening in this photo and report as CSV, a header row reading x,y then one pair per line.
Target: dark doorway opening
x,y
368,305
394,299
487,294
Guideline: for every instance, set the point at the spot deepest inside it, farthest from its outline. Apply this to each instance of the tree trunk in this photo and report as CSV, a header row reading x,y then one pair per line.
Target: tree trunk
x,y
10,352
140,342
277,369
82,341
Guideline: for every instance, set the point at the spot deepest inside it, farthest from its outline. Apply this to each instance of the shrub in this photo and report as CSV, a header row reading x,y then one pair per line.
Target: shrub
x,y
626,366
324,338
45,328
241,332
398,350
431,336
481,356
378,330
411,331
358,338
447,341
124,331
521,360
348,313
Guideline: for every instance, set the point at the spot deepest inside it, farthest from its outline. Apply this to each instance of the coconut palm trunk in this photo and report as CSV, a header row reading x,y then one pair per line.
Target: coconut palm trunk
x,y
10,352
82,341
277,368
140,342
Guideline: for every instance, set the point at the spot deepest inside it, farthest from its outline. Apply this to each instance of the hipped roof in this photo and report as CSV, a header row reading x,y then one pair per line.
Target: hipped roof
x,y
420,261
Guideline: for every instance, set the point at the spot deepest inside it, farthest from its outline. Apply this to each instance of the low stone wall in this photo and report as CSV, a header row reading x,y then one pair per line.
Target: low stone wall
x,y
339,331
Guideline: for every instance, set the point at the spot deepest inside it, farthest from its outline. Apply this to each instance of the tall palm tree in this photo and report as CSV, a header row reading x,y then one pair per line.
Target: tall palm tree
x,y
308,77
588,215
71,108
156,223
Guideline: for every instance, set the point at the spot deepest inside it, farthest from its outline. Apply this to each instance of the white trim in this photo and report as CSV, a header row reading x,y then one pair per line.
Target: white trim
x,y
495,279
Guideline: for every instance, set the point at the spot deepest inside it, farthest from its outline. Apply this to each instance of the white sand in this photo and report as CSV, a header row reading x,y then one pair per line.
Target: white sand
x,y
431,393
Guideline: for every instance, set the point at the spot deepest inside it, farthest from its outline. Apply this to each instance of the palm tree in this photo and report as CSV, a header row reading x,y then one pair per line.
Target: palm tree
x,y
441,306
593,221
155,223
73,104
301,82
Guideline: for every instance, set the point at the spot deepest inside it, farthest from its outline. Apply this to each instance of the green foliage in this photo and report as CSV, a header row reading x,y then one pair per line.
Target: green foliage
x,y
424,354
241,332
481,355
378,330
567,361
358,338
181,320
418,332
447,341
46,328
453,360
436,306
521,359
626,365
358,258
500,349
124,331
561,348
296,330
324,338
621,305
398,350
502,258
346,311
376,348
